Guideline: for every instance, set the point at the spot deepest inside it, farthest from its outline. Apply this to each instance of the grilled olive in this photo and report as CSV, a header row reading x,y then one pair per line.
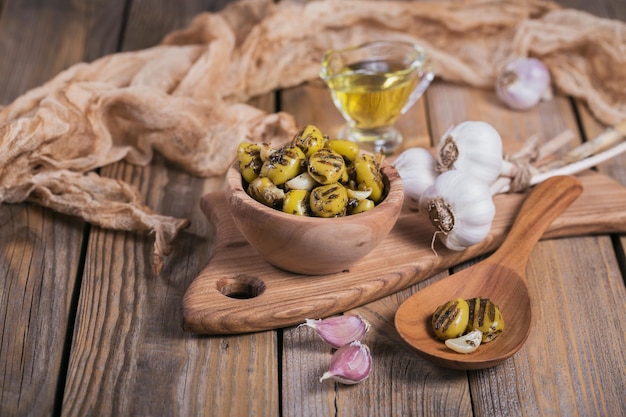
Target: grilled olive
x,y
329,200
485,316
450,319
263,190
283,164
362,205
348,149
368,175
296,202
327,166
249,158
309,140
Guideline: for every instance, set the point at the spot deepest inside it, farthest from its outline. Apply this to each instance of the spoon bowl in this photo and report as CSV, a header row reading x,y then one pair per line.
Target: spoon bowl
x,y
501,278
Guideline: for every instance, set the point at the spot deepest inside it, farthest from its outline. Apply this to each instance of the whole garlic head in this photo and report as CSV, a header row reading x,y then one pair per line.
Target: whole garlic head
x,y
461,207
474,147
417,169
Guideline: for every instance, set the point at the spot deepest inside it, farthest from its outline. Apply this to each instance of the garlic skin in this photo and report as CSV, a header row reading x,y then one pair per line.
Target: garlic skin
x,y
461,207
350,364
467,343
523,83
417,169
474,147
339,331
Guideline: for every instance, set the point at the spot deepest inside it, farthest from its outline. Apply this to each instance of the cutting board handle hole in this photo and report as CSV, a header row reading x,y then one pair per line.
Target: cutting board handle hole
x,y
241,287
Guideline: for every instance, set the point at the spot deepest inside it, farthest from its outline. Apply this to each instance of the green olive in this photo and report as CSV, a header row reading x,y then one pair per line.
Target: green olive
x,y
329,200
362,205
450,319
368,175
296,202
348,149
485,316
327,166
249,158
283,164
263,190
309,140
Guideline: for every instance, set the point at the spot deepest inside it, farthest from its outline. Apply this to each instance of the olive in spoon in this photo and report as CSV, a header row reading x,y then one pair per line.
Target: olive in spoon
x,y
501,278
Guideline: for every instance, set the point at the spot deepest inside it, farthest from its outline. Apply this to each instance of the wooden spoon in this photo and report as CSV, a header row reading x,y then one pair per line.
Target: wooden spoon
x,y
501,278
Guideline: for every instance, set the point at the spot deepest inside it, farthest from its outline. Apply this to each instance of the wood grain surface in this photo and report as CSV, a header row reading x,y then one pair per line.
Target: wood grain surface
x,y
87,330
239,291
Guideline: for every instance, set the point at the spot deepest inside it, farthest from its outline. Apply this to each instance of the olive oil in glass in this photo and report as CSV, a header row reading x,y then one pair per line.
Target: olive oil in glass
x,y
372,85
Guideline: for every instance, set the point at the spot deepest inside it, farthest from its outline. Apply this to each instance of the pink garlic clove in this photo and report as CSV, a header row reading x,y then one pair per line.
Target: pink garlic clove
x,y
339,331
350,364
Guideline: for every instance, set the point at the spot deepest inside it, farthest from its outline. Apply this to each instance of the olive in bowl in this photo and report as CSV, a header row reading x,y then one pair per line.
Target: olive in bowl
x,y
313,245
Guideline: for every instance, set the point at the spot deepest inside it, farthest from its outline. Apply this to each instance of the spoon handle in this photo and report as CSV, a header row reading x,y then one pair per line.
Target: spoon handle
x,y
542,206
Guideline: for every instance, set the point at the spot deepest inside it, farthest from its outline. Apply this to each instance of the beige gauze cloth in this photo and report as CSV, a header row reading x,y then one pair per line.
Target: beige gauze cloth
x,y
185,98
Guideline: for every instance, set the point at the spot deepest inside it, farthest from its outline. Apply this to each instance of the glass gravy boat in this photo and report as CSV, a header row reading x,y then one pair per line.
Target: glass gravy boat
x,y
372,85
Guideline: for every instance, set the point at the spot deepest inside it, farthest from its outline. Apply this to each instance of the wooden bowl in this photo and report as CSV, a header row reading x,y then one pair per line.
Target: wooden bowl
x,y
313,245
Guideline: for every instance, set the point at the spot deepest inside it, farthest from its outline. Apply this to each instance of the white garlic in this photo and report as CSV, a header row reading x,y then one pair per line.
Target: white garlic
x,y
461,207
303,181
467,343
417,169
359,194
523,83
474,147
350,364
339,331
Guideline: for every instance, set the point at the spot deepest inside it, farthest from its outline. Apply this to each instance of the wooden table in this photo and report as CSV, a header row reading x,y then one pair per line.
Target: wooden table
x,y
87,329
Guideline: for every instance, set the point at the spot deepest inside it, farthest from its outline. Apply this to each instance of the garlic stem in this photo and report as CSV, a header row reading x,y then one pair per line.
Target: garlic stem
x,y
602,142
577,160
555,144
582,165
508,169
501,185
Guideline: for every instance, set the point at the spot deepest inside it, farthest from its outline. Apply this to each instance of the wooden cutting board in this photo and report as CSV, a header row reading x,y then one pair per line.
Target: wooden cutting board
x,y
239,292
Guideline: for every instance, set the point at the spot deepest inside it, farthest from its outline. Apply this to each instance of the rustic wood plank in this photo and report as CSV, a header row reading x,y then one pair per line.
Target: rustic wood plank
x,y
396,371
517,386
40,250
153,368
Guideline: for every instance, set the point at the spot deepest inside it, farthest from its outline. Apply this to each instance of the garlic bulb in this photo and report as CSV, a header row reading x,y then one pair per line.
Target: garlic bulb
x,y
474,147
523,83
417,169
461,208
339,331
350,364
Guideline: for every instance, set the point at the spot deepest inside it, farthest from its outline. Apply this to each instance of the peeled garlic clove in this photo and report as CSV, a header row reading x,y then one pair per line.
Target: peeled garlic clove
x,y
418,170
266,151
301,182
339,331
466,343
350,364
359,194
